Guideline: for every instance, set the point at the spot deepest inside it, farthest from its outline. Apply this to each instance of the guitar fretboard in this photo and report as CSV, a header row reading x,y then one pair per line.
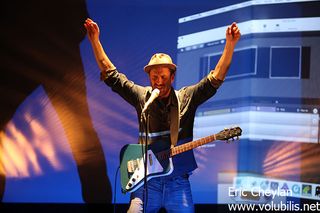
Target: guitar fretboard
x,y
191,145
185,147
222,135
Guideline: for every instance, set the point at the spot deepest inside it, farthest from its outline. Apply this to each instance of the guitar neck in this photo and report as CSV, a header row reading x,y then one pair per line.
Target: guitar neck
x,y
191,145
224,135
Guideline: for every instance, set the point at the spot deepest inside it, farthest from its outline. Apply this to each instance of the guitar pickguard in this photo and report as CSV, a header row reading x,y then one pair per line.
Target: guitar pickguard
x,y
154,169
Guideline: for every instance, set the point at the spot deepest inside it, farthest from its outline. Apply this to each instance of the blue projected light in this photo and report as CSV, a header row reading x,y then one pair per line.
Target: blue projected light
x,y
243,63
268,92
285,62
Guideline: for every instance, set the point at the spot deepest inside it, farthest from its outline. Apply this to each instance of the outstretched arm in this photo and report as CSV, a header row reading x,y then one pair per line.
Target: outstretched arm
x,y
119,83
221,69
93,33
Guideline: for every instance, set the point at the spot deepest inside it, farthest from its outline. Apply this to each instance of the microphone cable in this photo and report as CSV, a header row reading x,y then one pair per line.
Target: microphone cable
x,y
115,190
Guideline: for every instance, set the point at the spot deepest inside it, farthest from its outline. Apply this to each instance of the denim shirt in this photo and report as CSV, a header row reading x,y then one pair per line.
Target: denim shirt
x,y
188,98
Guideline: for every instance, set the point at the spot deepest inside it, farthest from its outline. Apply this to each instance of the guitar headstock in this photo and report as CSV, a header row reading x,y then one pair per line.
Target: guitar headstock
x,y
229,133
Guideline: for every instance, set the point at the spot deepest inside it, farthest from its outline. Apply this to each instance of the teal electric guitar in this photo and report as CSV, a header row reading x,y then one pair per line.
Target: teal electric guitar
x,y
159,158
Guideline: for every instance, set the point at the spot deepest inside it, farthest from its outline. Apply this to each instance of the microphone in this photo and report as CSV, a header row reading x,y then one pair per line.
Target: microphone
x,y
155,93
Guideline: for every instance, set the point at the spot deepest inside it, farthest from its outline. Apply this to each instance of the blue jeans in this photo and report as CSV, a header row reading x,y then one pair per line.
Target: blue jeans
x,y
172,194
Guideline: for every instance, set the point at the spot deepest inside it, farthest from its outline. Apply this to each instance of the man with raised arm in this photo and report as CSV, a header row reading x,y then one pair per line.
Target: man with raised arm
x,y
171,116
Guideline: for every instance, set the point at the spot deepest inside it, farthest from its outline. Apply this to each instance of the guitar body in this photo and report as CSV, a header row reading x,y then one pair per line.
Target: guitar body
x,y
132,165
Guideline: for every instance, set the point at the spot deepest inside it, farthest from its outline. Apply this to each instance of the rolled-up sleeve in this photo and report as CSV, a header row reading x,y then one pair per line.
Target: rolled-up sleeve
x,y
120,84
199,92
216,83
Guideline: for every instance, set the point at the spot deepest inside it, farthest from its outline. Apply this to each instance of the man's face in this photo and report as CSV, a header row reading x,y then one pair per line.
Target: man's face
x,y
161,78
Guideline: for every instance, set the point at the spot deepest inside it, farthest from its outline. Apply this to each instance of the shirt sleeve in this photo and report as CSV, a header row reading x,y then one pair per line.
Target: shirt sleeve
x,y
216,83
119,83
200,92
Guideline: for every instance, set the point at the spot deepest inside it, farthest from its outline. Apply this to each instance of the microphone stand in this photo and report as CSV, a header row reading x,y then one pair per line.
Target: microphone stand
x,y
146,117
145,114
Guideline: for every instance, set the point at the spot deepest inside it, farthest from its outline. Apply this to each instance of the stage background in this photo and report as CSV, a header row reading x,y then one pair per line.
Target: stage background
x,y
272,93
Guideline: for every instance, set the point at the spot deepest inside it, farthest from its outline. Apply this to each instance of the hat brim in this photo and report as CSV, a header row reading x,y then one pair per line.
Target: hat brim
x,y
147,68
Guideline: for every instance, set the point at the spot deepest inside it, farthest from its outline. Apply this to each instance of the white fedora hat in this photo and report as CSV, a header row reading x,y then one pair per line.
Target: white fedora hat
x,y
160,59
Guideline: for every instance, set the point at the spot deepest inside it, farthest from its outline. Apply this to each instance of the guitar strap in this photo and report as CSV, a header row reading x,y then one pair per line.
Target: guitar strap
x,y
174,119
